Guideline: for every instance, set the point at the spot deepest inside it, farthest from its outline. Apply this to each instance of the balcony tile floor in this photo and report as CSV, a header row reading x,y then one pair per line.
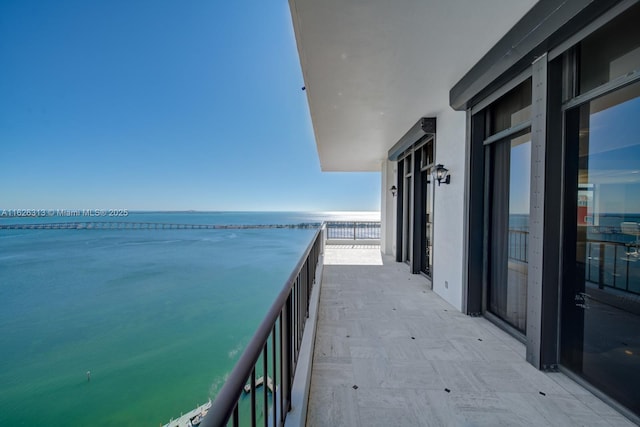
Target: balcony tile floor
x,y
390,352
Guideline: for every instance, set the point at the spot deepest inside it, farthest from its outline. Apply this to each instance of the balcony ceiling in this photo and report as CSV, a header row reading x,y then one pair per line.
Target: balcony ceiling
x,y
373,68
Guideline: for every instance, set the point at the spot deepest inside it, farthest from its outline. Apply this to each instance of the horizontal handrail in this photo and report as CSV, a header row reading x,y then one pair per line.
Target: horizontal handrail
x,y
289,302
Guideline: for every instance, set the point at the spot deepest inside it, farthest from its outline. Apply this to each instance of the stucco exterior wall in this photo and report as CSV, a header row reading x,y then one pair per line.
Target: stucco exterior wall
x,y
449,208
389,172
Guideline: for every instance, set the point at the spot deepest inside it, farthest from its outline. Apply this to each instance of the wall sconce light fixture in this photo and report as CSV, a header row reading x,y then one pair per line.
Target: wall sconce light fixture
x,y
442,175
393,190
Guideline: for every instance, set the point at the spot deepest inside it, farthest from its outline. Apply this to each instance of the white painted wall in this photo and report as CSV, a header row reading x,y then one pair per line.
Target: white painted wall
x,y
388,208
449,208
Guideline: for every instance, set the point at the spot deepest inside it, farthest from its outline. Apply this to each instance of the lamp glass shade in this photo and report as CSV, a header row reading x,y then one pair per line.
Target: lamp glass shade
x,y
441,172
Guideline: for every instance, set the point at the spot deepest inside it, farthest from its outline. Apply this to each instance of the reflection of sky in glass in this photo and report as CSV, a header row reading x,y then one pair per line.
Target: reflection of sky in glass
x,y
614,157
520,175
614,128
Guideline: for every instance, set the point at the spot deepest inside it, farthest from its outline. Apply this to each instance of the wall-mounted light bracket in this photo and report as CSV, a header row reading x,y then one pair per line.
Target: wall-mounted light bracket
x,y
441,174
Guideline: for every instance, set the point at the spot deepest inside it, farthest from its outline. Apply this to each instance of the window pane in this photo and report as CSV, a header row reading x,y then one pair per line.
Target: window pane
x,y
426,154
512,109
611,52
408,165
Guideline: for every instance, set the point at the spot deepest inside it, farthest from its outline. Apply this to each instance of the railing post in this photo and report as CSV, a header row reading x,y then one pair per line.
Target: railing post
x,y
627,274
601,267
615,264
309,278
285,354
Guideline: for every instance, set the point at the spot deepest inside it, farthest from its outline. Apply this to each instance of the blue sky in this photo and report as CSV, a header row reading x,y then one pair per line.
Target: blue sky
x,y
161,105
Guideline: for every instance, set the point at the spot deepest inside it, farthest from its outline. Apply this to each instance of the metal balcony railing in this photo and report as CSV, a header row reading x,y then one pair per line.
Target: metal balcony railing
x,y
271,355
518,245
353,230
613,265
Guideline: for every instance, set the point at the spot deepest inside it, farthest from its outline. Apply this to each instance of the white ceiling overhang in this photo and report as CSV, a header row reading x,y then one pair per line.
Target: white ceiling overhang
x,y
373,68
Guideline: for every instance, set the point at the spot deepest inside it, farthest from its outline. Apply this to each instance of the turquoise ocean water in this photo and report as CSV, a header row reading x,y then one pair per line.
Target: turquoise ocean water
x,y
159,317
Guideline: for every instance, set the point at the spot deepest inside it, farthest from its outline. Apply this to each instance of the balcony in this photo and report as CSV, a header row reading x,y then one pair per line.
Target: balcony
x,y
389,351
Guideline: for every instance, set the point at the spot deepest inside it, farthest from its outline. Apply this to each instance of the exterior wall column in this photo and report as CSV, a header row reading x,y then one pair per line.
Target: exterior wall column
x,y
448,208
388,208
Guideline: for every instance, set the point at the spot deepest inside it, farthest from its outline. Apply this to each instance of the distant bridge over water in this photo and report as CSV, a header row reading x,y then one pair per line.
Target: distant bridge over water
x,y
128,225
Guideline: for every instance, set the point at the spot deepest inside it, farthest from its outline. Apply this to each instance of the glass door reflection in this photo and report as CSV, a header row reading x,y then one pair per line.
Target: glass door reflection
x,y
601,286
509,229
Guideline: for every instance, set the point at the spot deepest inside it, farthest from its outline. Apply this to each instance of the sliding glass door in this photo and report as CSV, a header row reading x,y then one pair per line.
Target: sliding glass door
x,y
507,192
416,183
509,229
426,264
601,287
